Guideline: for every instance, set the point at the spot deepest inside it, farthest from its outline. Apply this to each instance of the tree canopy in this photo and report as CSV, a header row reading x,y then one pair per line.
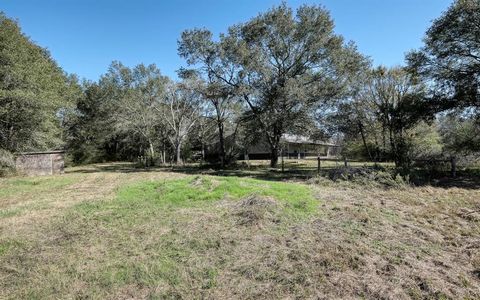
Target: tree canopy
x,y
33,92
450,59
282,64
449,63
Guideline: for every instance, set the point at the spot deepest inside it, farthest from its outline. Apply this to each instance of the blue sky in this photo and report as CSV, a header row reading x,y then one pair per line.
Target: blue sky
x,y
84,36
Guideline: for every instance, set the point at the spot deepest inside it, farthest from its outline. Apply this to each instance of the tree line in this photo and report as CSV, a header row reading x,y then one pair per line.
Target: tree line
x,y
283,71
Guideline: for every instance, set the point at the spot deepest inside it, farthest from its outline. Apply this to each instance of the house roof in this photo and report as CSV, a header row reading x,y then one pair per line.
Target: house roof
x,y
40,152
300,139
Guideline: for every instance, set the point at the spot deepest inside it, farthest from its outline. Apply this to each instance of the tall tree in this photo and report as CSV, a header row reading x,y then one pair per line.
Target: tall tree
x,y
397,101
180,111
143,88
33,91
200,51
450,59
356,120
88,125
288,64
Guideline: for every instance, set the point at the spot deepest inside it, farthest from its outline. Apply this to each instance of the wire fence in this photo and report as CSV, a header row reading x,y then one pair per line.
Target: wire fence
x,y
321,164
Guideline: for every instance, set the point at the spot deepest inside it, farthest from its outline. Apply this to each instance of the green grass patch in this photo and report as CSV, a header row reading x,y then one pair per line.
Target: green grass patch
x,y
194,191
9,212
14,186
7,245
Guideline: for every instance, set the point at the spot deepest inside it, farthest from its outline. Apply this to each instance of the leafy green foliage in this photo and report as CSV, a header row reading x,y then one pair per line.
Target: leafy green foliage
x,y
282,64
384,112
450,63
89,127
451,56
33,92
117,118
7,162
460,134
425,141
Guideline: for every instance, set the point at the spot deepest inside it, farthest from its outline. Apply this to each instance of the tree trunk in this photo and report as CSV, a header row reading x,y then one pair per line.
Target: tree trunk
x,y
152,152
394,149
178,151
362,133
164,154
222,143
221,137
274,157
274,141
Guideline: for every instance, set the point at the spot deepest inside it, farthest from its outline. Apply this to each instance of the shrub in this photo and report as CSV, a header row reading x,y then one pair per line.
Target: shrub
x,y
372,177
7,163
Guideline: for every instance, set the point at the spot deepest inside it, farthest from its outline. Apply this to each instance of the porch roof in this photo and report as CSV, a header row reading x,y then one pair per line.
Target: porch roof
x,y
300,139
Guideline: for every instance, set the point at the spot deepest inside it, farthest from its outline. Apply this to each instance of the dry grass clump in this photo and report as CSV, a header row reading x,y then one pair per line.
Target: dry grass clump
x,y
368,176
254,210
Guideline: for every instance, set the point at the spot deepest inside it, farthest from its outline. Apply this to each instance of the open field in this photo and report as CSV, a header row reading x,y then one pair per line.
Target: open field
x,y
112,231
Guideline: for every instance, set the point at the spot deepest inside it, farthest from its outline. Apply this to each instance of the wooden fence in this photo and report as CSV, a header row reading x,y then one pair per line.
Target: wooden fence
x,y
452,161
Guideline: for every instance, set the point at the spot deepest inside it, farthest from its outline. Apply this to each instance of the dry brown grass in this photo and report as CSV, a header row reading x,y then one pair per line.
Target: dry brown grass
x,y
414,243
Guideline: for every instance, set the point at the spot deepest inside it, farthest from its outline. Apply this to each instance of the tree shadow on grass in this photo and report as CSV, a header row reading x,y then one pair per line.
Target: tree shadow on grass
x,y
258,172
113,167
466,179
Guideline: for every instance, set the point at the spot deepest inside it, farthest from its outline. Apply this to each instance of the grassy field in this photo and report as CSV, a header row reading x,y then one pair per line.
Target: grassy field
x,y
111,231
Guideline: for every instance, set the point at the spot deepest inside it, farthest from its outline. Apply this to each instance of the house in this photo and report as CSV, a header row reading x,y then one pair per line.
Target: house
x,y
295,147
40,163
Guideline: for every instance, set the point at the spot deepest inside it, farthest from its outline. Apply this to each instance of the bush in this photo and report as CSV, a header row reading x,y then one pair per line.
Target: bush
x,y
372,177
7,163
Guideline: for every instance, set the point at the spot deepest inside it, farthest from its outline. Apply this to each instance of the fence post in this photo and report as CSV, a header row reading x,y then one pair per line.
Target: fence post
x,y
345,161
453,161
318,164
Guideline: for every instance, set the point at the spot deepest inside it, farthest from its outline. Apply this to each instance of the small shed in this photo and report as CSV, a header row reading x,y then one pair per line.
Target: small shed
x,y
40,163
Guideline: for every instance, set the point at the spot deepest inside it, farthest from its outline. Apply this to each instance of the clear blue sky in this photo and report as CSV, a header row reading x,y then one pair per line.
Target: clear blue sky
x,y
84,36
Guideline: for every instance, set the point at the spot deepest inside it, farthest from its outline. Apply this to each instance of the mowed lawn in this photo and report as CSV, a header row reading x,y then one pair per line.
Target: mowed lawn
x,y
114,232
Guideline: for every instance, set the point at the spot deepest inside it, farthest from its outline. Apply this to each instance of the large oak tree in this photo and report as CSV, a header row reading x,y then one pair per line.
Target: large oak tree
x,y
288,64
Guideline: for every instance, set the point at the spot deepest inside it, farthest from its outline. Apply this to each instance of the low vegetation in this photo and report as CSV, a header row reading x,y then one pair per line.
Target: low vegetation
x,y
115,232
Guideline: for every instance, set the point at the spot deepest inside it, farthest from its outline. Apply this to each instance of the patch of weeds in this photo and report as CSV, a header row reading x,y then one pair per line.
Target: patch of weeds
x,y
7,245
9,212
210,276
16,211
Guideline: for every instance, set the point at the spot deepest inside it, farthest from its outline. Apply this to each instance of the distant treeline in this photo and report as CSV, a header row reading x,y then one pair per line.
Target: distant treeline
x,y
283,71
